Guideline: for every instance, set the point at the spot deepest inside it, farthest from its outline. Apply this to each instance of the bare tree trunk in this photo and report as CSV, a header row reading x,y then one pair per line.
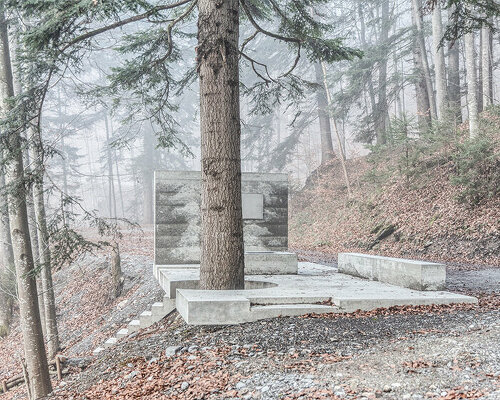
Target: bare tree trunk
x,y
147,177
36,359
364,45
417,11
439,62
116,271
382,107
52,334
323,115
471,85
454,77
111,181
222,254
6,262
342,153
487,66
423,103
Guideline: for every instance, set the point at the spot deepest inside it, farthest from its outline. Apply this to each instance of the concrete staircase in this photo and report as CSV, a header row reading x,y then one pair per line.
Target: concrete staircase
x,y
146,319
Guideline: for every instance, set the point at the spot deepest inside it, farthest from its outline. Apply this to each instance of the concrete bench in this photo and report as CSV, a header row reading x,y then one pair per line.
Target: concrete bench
x,y
412,274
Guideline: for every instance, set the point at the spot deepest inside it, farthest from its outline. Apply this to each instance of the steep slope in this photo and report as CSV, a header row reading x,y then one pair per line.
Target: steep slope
x,y
414,217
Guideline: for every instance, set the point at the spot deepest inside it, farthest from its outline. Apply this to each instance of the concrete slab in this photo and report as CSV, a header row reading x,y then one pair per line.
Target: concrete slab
x,y
316,288
413,274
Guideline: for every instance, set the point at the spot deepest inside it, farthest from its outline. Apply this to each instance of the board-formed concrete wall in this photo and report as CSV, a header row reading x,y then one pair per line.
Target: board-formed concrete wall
x,y
177,214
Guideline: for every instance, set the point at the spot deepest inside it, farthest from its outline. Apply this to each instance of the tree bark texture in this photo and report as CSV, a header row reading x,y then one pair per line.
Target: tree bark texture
x,y
454,80
323,115
417,11
49,303
487,66
382,107
422,95
147,177
36,359
439,62
6,263
222,253
470,61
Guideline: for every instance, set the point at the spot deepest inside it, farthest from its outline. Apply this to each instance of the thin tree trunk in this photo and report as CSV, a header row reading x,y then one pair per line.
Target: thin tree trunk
x,y
116,272
6,261
382,108
480,74
364,46
454,77
417,11
342,153
439,62
147,177
52,334
120,191
422,95
111,183
487,66
222,254
471,85
36,359
323,115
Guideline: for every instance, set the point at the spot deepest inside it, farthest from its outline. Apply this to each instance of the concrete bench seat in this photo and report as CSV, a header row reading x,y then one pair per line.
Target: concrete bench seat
x,y
412,274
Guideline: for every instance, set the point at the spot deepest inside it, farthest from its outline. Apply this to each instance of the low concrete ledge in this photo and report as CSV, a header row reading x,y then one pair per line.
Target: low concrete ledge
x,y
270,263
412,274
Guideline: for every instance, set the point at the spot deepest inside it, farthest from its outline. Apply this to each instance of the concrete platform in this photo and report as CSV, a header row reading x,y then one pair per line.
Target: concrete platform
x,y
315,289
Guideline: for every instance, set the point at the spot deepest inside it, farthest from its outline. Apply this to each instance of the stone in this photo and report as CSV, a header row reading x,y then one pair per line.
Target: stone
x,y
412,274
171,351
184,386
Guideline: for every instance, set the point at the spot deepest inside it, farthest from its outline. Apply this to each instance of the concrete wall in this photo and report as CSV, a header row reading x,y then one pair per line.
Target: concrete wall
x,y
177,214
418,275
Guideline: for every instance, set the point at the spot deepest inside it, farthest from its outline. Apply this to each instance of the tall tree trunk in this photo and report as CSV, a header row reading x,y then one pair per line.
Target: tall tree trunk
x,y
382,107
36,359
147,176
439,62
487,66
470,61
52,334
111,181
364,46
323,115
222,254
422,95
454,77
6,261
417,12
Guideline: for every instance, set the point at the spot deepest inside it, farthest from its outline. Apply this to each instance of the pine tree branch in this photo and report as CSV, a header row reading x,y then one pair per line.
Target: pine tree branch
x,y
123,22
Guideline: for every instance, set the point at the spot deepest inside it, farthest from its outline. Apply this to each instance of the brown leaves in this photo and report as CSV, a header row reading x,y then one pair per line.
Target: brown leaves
x,y
460,393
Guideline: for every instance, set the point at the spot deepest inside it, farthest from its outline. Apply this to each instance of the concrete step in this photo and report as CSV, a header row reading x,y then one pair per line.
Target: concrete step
x,y
110,342
146,319
122,333
157,311
97,350
134,326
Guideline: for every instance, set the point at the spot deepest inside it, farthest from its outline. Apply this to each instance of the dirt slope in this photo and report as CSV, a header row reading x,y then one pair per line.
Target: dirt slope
x,y
420,218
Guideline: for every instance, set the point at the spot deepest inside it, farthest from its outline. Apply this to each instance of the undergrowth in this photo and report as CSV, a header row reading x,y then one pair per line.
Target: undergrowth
x,y
474,163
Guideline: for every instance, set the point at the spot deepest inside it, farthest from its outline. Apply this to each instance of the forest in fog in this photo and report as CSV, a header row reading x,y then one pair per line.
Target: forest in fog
x,y
102,147
97,95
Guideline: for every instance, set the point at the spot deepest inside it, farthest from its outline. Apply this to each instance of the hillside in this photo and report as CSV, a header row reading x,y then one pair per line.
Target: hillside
x,y
393,214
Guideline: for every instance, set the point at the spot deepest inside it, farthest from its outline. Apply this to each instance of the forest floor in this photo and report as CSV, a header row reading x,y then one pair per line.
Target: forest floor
x,y
445,352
